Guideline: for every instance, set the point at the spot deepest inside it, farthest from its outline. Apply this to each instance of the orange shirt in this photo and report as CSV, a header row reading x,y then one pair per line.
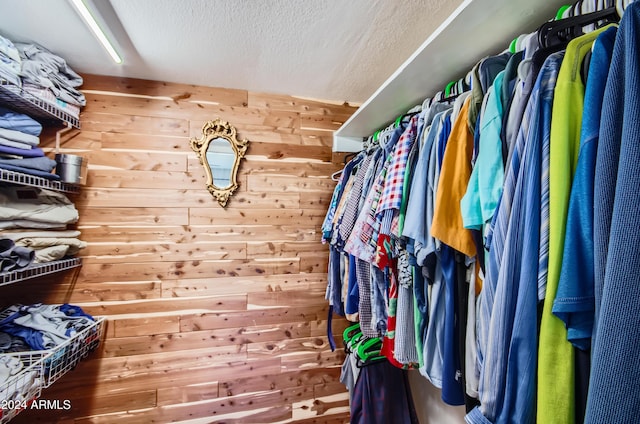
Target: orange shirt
x,y
454,176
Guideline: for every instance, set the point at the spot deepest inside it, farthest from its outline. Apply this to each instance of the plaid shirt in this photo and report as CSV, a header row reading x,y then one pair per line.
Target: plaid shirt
x,y
394,181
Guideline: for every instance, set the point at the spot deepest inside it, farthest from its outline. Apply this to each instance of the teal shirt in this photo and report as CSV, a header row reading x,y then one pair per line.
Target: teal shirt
x,y
487,177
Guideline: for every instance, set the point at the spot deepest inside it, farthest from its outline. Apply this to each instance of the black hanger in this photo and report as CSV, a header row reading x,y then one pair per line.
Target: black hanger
x,y
560,32
455,89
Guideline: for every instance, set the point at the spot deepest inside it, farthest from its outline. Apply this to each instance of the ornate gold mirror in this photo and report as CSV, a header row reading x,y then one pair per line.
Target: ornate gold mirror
x,y
220,152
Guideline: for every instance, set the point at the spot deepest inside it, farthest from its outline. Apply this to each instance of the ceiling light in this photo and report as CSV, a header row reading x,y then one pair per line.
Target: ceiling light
x,y
97,31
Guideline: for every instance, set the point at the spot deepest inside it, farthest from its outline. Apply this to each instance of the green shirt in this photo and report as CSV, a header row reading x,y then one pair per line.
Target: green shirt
x,y
556,385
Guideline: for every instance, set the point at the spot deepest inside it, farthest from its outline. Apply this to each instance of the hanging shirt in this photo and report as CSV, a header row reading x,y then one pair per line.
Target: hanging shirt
x,y
335,198
575,302
613,384
388,209
507,380
348,218
456,168
362,242
392,194
485,183
418,216
482,77
556,360
507,95
433,344
522,89
405,341
495,241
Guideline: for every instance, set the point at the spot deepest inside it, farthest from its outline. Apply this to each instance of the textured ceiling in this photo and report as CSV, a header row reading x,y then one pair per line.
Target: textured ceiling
x,y
325,49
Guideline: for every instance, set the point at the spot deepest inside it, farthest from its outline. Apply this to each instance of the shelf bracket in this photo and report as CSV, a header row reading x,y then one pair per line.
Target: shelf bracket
x,y
59,134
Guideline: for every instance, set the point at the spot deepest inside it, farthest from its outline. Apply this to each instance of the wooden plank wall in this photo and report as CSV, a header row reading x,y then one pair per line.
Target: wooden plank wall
x,y
214,315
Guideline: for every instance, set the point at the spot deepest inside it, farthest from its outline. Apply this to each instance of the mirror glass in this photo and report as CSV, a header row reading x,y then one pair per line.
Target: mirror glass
x,y
220,152
221,157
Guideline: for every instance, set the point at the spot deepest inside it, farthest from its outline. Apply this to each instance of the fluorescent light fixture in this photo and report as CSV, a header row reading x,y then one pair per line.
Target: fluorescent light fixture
x,y
97,31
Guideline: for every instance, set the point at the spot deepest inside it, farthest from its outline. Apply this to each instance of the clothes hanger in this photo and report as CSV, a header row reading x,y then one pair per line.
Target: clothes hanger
x,y
350,336
456,88
557,33
560,13
350,156
369,349
447,89
512,46
368,352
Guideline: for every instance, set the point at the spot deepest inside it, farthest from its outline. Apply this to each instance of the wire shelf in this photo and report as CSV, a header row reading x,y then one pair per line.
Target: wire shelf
x,y
18,99
37,270
31,180
21,389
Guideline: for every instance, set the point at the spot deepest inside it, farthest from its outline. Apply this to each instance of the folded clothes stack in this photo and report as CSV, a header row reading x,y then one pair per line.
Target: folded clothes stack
x,y
35,208
10,62
19,140
41,68
46,245
33,223
48,96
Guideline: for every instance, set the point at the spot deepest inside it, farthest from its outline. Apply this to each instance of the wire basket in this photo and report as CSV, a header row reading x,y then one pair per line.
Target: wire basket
x,y
64,357
21,389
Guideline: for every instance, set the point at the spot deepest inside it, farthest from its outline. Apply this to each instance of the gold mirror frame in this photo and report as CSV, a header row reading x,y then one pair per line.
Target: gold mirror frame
x,y
212,130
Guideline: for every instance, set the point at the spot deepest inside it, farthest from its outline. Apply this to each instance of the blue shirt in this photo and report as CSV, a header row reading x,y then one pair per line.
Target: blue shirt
x,y
613,386
417,220
485,184
508,375
575,303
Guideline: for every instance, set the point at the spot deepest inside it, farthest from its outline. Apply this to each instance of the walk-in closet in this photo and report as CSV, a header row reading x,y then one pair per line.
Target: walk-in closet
x,y
363,212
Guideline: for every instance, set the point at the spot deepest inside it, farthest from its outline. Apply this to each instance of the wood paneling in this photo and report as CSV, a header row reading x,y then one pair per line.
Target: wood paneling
x,y
214,315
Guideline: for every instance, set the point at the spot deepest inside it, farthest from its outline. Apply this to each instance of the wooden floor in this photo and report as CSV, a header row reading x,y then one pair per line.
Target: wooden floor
x,y
214,315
